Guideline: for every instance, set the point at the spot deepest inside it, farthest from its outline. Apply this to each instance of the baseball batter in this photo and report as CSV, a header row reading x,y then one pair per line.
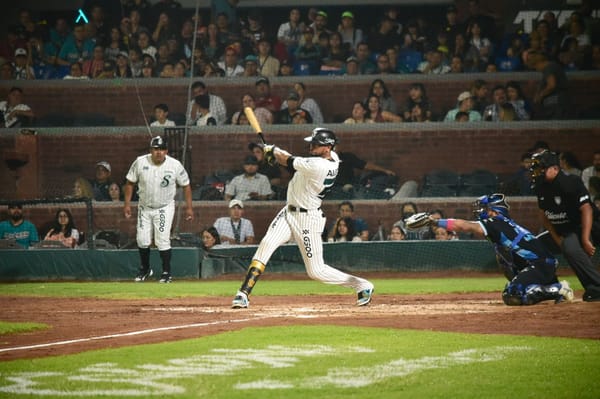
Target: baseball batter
x,y
303,220
157,176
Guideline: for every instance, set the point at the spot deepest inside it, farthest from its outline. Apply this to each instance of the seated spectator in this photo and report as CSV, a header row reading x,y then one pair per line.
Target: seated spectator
x,y
492,111
210,238
93,67
77,47
461,117
520,182
301,117
359,112
17,228
346,210
122,69
433,64
435,214
287,114
63,229
515,96
135,61
102,181
250,185
571,57
417,95
479,93
384,66
308,52
148,70
441,234
250,67
268,65
480,49
230,64
264,97
595,58
273,172
115,45
22,65
286,68
289,33
397,233
507,113
7,71
82,188
114,190
202,111
351,35
216,104
394,60
109,70
235,229
334,58
386,100
456,64
13,112
384,37
343,231
144,42
363,57
377,114
161,116
263,115
591,175
166,70
307,103
465,104
418,114
569,163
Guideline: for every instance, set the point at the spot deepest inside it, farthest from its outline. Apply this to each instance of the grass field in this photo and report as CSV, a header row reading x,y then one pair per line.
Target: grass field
x,y
302,360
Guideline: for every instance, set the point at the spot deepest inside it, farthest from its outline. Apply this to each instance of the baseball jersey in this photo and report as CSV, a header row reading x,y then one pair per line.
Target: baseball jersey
x,y
561,199
157,184
515,244
25,233
228,228
5,109
314,175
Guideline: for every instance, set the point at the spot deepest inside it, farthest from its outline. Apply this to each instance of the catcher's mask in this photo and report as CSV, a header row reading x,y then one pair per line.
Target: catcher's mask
x,y
322,136
495,202
539,163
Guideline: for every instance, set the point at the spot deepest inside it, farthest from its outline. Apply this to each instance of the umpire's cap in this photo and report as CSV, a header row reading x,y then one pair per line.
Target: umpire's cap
x,y
322,136
158,142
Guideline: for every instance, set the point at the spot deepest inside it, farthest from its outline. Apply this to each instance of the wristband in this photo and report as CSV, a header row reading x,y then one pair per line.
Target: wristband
x,y
448,224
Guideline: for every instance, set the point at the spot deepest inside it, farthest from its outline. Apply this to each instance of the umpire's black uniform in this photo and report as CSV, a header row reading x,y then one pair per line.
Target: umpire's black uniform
x,y
561,200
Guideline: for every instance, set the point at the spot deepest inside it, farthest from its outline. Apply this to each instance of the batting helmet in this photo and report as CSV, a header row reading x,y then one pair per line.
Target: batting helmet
x,y
495,202
322,136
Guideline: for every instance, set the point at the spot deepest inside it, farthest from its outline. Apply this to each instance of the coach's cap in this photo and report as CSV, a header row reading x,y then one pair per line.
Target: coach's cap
x,y
158,142
236,202
250,160
463,96
262,79
20,51
104,164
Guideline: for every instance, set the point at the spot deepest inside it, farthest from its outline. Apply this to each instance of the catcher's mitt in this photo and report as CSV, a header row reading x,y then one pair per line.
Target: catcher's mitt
x,y
269,156
418,220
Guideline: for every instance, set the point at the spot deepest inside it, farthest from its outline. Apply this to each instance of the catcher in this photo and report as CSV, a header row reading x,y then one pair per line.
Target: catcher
x,y
527,264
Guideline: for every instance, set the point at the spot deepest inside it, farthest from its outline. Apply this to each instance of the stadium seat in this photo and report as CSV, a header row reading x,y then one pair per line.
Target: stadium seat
x,y
440,183
477,183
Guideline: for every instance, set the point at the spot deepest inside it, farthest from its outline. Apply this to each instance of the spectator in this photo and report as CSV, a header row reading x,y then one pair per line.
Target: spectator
x,y
301,117
552,96
264,97
351,67
210,238
148,70
7,71
102,181
202,111
577,32
591,175
13,112
145,44
286,115
272,172
319,25
377,114
76,72
433,65
63,229
11,43
461,116
346,210
480,49
351,35
441,234
122,69
413,38
336,55
384,66
115,45
250,67
465,104
474,15
384,37
263,115
108,70
515,96
460,47
479,93
163,57
114,191
17,228
397,233
230,62
307,103
571,57
417,95
506,113
268,65
22,65
135,61
77,48
520,183
363,57
344,231
250,185
569,163
418,114
235,229
511,59
395,65
165,28
290,33
308,52
386,100
161,116
285,68
451,26
216,104
407,210
82,188
211,42
359,112
492,111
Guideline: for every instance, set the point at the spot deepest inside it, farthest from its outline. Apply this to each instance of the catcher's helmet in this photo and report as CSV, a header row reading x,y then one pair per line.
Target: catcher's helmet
x,y
495,202
322,136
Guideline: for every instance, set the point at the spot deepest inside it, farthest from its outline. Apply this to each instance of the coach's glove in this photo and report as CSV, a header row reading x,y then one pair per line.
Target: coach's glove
x,y
418,220
269,155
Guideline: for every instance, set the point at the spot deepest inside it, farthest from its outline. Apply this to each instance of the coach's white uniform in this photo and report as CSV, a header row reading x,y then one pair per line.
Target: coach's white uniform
x,y
157,186
303,220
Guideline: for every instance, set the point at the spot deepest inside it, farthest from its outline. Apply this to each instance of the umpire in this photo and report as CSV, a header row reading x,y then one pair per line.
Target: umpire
x,y
567,212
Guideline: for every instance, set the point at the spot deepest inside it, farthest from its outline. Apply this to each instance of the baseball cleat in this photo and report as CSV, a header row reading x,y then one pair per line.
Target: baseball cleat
x,y
165,278
566,292
240,301
364,297
143,275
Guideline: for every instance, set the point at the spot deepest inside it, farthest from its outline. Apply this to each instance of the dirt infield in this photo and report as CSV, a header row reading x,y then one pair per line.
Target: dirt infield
x,y
81,324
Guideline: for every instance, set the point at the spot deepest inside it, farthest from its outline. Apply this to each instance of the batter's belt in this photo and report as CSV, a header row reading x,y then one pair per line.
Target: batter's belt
x,y
292,208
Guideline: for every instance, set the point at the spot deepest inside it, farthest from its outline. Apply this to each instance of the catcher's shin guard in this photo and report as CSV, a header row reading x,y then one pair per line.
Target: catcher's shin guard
x,y
516,294
254,271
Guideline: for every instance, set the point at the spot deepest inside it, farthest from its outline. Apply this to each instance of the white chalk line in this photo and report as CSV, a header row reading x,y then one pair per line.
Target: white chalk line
x,y
130,334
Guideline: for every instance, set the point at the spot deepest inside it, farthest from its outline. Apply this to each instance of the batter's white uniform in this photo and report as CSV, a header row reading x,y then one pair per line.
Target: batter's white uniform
x,y
303,220
157,186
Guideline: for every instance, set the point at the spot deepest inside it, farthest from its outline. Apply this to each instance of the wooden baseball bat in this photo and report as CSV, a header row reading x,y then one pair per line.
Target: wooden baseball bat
x,y
254,123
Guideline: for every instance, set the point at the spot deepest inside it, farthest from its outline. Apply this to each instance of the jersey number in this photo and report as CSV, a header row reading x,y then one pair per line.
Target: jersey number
x,y
328,183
